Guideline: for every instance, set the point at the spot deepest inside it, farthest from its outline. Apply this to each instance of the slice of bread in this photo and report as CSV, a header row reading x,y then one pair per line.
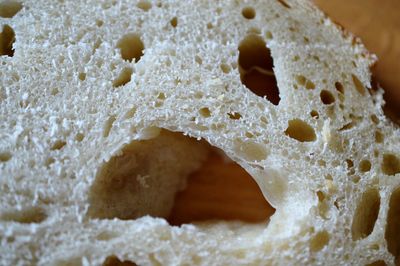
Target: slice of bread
x,y
99,99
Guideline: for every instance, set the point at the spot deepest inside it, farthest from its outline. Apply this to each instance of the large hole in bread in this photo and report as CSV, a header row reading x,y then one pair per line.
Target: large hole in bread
x,y
9,8
131,47
7,39
392,234
366,214
256,68
144,177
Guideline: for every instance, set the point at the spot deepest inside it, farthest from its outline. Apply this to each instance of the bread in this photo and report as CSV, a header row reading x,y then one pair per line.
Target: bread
x,y
101,105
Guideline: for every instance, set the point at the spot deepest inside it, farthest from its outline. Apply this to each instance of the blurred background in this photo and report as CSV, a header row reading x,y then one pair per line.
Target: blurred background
x,y
377,23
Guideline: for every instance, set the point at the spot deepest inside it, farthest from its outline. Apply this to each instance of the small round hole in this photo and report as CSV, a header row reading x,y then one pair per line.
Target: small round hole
x,y
339,87
225,68
314,114
327,97
174,22
365,166
82,76
5,156
205,112
131,47
248,13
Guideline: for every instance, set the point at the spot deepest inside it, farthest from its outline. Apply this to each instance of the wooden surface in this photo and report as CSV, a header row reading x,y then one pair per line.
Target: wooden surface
x,y
224,190
220,190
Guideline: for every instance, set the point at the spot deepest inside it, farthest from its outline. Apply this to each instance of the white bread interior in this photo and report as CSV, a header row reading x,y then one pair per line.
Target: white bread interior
x,y
95,87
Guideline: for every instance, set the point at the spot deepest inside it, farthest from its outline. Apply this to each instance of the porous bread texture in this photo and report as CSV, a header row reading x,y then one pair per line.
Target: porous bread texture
x,y
74,95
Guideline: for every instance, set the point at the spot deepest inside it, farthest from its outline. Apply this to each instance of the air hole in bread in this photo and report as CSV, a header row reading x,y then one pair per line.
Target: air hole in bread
x,y
339,87
256,68
327,97
174,22
283,2
130,113
366,214
374,119
114,261
25,216
268,35
320,195
249,135
205,112
379,137
108,126
392,231
323,206
9,8
131,47
234,115
5,156
58,145
144,5
358,85
390,164
96,45
355,179
123,78
54,91
7,39
198,60
248,12
319,241
49,161
299,130
82,76
79,137
251,151
314,114
99,22
305,82
161,96
365,166
144,176
225,68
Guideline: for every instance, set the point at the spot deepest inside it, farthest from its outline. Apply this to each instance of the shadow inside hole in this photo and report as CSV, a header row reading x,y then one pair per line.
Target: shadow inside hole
x,y
114,261
256,68
7,39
